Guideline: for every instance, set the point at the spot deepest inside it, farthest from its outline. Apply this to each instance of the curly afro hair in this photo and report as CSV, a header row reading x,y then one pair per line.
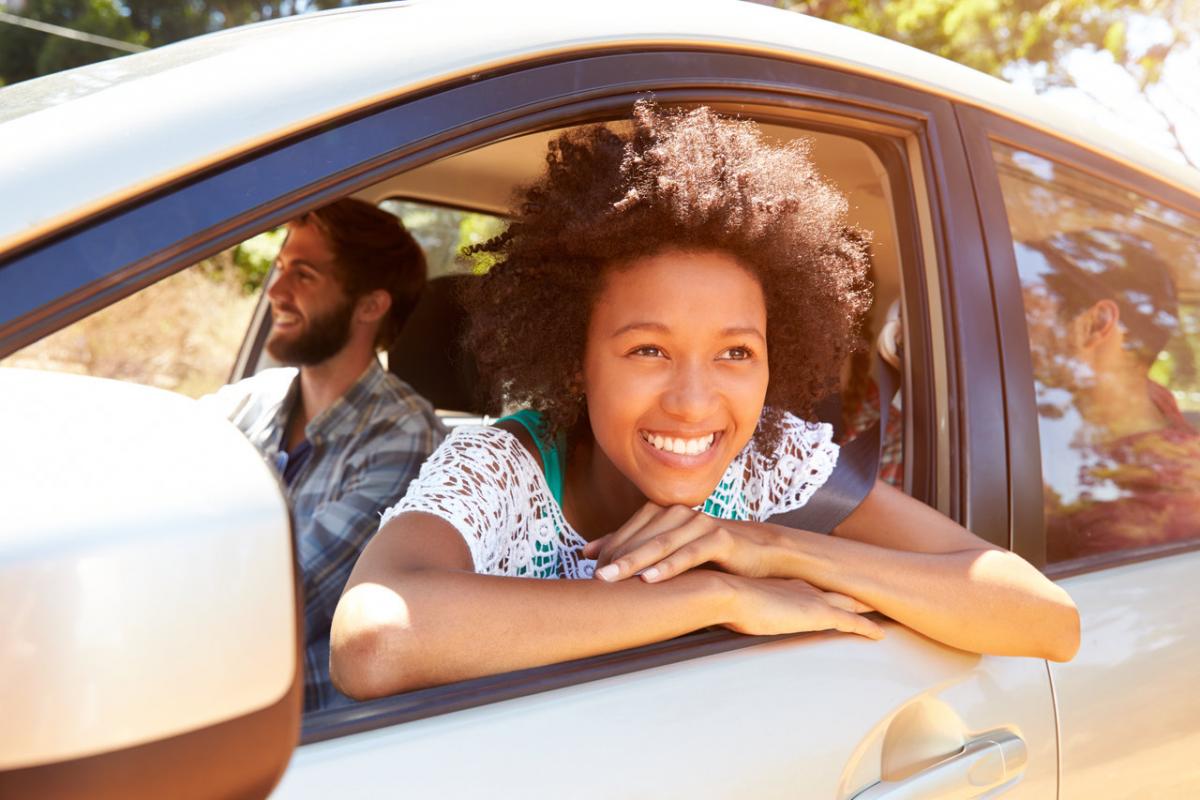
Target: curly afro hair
x,y
678,180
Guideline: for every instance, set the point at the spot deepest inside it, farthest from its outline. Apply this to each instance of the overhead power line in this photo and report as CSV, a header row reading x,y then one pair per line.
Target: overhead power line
x,y
70,33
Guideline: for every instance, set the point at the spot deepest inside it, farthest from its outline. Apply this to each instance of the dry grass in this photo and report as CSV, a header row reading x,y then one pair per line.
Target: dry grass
x,y
181,334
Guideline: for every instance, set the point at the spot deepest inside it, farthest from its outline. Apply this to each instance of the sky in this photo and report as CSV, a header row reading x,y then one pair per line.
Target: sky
x,y
1109,95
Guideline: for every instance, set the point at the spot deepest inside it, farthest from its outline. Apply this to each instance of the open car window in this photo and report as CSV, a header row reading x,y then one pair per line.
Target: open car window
x,y
182,333
459,200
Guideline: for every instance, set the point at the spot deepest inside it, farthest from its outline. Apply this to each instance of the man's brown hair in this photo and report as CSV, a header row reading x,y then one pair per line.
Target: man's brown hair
x,y
372,250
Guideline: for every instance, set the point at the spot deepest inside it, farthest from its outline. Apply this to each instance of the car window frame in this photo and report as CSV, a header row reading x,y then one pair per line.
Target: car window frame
x,y
980,129
284,181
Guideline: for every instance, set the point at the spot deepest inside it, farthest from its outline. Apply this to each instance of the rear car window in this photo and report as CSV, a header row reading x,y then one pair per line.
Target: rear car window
x,y
1111,287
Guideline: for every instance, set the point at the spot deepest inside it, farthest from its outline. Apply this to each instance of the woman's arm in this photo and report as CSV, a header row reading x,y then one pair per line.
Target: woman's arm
x,y
892,553
414,614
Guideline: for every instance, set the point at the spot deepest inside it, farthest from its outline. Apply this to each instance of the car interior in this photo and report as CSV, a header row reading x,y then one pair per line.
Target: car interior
x,y
480,183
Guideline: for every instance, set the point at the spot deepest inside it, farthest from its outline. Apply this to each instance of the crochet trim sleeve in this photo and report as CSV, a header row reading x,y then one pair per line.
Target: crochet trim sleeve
x,y
483,482
784,480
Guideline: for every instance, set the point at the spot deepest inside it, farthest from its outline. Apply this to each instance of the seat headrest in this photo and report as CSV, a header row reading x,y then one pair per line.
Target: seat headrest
x,y
429,354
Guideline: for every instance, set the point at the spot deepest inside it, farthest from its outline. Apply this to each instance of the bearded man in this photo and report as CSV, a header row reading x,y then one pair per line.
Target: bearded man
x,y
346,436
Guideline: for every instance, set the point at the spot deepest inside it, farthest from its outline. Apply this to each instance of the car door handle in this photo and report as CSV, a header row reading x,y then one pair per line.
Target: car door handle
x,y
983,764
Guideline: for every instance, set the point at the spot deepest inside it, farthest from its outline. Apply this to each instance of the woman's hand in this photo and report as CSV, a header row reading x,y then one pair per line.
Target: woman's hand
x,y
766,606
659,543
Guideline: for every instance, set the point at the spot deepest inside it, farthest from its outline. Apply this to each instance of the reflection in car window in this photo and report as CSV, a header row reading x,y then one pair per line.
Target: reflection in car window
x,y
180,334
443,232
1111,285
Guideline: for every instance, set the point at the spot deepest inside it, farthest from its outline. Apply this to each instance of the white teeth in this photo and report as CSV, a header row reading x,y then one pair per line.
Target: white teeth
x,y
284,318
683,447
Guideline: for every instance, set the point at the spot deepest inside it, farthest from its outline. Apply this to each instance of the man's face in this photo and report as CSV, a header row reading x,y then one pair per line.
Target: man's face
x,y
1056,342
310,311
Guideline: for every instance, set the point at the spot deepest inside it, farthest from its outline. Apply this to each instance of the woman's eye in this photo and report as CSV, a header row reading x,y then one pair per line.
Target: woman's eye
x,y
737,354
647,350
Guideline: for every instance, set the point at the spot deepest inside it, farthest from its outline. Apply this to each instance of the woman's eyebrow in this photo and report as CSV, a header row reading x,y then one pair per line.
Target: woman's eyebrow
x,y
658,327
748,330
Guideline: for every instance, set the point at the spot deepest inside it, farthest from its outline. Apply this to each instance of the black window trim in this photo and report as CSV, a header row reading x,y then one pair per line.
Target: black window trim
x,y
789,89
980,130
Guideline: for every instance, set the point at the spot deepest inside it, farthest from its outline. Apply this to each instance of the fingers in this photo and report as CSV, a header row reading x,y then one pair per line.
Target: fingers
x,y
848,622
592,548
708,546
660,554
770,606
846,603
603,548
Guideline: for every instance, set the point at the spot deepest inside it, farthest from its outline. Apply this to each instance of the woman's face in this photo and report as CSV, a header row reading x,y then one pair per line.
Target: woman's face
x,y
675,370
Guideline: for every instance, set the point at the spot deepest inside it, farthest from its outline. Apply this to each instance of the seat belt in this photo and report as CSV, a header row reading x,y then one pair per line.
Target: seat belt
x,y
856,470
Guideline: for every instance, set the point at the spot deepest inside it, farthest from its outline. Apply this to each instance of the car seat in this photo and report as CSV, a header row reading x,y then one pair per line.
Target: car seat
x,y
429,354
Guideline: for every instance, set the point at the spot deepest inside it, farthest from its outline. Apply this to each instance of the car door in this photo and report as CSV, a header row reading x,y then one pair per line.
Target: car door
x,y
1107,492
716,714
712,714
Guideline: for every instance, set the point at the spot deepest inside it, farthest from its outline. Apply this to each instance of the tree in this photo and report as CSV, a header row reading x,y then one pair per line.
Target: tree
x,y
28,53
1003,37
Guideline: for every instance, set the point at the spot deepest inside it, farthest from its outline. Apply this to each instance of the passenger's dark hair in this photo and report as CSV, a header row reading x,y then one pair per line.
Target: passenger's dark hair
x,y
1096,264
677,180
372,250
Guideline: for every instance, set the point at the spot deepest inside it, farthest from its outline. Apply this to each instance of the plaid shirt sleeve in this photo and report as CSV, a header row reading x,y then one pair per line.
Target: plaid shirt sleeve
x,y
337,511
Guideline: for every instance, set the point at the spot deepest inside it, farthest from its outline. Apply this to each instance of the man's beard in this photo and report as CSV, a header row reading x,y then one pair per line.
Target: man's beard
x,y
320,339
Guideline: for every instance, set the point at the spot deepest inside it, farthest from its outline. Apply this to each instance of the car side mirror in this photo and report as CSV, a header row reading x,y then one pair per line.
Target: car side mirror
x,y
150,635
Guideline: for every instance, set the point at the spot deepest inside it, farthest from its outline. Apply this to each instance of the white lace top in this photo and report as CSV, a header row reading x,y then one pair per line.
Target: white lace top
x,y
485,483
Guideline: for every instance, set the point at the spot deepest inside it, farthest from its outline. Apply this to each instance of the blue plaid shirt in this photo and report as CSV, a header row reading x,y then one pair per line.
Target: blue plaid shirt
x,y
366,448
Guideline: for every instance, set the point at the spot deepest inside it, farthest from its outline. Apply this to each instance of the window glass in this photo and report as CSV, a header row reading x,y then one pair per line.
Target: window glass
x,y
182,333
1111,286
443,232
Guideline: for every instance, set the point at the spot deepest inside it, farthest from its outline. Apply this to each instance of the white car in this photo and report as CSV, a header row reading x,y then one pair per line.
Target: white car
x,y
150,639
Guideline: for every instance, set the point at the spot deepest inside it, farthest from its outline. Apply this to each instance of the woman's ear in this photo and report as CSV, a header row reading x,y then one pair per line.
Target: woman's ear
x,y
1102,319
373,306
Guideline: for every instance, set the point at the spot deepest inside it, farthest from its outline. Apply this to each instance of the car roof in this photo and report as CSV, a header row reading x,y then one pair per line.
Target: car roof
x,y
96,135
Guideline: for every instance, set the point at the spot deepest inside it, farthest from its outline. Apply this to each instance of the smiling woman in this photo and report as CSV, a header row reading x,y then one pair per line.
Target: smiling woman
x,y
678,300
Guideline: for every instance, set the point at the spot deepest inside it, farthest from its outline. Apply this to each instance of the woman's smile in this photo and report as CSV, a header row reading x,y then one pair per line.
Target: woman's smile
x,y
675,370
680,450
680,445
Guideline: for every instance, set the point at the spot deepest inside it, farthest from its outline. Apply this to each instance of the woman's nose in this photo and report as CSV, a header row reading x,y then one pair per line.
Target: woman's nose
x,y
692,393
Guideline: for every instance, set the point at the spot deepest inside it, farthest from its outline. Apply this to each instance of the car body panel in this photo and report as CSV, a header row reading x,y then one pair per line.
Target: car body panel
x,y
805,716
1128,703
1128,707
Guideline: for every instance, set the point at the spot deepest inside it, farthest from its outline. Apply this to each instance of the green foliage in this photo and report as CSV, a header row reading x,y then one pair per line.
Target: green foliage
x,y
991,34
26,54
252,259
476,229
443,232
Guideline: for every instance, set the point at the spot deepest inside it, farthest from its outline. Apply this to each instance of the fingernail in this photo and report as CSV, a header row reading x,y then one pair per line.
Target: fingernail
x,y
650,574
608,573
